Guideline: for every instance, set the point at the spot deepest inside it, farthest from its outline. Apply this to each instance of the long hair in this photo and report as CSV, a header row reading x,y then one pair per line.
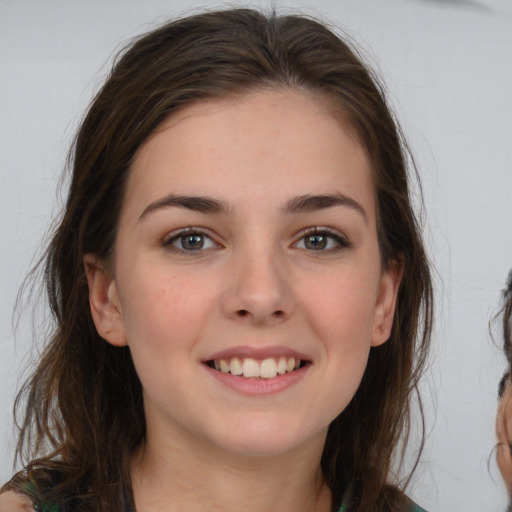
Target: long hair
x,y
83,408
506,314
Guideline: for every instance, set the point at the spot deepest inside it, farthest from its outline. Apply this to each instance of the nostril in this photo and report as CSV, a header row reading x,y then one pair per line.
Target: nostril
x,y
278,314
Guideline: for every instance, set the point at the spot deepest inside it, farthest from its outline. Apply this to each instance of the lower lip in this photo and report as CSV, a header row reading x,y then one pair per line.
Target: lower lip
x,y
253,386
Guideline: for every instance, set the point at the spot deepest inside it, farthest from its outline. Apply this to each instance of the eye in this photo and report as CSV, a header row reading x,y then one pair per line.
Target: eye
x,y
189,241
322,239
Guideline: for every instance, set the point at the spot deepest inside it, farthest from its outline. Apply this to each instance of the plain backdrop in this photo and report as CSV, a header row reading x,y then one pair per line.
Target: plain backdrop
x,y
448,69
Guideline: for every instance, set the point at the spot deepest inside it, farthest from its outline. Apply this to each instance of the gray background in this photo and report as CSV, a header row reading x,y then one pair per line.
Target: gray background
x,y
448,68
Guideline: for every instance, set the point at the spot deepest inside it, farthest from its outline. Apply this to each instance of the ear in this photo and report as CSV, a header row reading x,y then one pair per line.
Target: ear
x,y
386,302
104,301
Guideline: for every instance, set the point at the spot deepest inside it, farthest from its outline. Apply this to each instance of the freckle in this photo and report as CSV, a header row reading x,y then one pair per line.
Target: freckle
x,y
161,293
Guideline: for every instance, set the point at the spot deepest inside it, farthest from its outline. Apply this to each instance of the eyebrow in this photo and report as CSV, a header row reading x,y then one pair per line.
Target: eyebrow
x,y
310,203
194,203
299,204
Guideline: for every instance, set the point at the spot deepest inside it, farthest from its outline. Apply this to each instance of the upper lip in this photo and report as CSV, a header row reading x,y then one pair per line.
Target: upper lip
x,y
258,353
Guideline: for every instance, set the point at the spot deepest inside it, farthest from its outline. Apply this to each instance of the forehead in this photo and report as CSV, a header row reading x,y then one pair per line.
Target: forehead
x,y
261,106
287,140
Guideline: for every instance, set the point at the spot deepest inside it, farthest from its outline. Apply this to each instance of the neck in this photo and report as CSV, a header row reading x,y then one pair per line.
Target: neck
x,y
189,477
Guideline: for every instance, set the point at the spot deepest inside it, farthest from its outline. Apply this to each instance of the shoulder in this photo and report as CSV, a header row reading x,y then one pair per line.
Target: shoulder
x,y
11,501
23,494
33,490
408,506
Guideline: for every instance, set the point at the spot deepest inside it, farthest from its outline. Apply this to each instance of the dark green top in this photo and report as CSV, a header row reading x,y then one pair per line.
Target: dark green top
x,y
414,508
54,508
31,491
46,507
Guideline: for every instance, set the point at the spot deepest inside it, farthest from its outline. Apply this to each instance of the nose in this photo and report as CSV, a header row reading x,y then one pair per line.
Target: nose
x,y
258,290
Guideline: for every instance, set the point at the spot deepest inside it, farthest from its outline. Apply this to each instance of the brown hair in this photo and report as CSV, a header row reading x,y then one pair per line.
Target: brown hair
x,y
84,409
506,313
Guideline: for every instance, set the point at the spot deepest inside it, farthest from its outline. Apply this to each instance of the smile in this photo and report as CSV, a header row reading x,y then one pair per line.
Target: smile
x,y
248,367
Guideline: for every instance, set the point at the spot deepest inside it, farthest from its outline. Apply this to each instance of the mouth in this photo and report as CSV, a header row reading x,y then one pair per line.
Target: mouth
x,y
251,368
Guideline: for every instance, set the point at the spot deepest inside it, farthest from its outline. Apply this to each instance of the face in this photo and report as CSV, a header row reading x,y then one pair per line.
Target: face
x,y
504,435
247,279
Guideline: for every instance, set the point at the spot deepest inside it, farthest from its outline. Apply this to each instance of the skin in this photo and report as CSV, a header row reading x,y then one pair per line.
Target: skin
x,y
256,285
504,435
12,502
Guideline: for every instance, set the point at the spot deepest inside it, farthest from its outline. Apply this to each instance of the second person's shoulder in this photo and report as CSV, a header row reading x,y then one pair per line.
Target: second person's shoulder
x,y
11,501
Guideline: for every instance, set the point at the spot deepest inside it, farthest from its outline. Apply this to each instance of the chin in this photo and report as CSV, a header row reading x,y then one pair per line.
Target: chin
x,y
270,439
255,448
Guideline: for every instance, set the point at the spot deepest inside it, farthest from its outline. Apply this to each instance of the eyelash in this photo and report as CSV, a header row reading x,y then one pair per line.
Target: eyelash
x,y
340,240
175,237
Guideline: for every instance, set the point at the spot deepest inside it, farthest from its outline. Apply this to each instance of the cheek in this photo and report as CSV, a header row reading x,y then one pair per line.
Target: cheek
x,y
165,312
503,450
164,318
341,311
341,315
504,460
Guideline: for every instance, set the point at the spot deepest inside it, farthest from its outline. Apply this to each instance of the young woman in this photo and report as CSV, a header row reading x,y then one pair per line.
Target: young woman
x,y
504,416
242,299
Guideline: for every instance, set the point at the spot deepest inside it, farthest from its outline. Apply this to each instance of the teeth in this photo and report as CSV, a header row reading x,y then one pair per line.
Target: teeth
x,y
236,366
267,369
251,368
